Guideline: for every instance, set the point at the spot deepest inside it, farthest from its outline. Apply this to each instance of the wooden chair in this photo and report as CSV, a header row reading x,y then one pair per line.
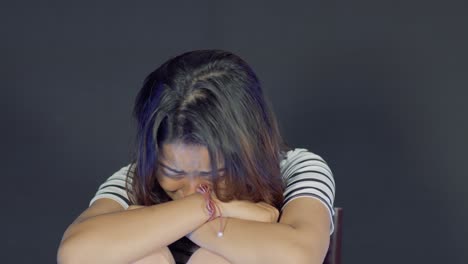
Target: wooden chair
x,y
334,250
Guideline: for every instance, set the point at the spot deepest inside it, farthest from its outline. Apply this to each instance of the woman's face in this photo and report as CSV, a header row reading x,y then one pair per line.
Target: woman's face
x,y
182,168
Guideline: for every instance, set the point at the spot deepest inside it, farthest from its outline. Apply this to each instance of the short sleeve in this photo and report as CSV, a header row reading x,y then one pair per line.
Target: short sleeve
x,y
115,187
307,175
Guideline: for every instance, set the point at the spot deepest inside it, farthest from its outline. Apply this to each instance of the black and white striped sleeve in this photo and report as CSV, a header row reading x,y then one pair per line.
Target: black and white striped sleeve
x,y
308,175
114,188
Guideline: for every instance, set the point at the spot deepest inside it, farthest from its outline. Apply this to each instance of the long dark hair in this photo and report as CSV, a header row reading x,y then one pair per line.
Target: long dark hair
x,y
214,99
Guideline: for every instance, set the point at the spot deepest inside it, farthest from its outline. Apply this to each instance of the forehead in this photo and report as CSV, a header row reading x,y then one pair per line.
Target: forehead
x,y
186,157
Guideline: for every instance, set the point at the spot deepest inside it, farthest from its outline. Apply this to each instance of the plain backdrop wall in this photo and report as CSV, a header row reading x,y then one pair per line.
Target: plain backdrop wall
x,y
377,88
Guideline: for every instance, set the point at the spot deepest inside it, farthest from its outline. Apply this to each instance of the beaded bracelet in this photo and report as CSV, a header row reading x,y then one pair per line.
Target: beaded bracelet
x,y
211,206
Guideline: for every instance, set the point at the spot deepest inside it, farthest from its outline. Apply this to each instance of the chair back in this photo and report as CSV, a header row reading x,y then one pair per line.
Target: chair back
x,y
334,250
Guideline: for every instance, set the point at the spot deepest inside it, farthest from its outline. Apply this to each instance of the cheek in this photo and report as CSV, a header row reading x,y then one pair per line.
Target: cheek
x,y
170,185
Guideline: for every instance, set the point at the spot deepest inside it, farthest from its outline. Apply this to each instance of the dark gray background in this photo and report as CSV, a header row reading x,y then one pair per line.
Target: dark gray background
x,y
378,88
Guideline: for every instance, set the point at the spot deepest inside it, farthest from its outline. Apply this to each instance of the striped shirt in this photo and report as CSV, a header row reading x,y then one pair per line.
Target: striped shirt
x,y
304,173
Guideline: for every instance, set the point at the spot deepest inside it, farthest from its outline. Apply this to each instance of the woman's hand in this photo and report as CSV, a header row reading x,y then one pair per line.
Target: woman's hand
x,y
246,210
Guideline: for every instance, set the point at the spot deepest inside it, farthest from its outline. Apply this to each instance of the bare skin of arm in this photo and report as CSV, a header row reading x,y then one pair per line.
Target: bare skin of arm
x,y
301,236
106,233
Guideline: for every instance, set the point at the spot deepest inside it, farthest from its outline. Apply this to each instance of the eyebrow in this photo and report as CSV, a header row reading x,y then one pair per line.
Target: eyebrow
x,y
182,172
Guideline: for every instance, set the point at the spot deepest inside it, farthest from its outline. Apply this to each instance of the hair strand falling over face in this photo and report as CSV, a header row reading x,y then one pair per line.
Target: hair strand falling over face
x,y
214,99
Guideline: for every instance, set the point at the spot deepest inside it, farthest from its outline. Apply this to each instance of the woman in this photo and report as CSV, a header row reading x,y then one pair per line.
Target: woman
x,y
211,167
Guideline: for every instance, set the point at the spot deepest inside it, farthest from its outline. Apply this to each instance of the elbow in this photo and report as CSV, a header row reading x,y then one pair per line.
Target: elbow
x,y
289,253
72,251
67,254
310,251
76,250
301,254
76,247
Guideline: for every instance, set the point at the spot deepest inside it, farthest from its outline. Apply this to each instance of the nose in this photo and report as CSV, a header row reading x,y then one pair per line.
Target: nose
x,y
193,183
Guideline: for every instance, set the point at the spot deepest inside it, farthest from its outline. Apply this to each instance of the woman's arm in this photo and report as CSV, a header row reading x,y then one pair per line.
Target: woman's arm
x,y
104,234
303,232
301,236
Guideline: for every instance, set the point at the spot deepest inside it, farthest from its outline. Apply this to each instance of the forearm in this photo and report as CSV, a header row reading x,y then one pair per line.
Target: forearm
x,y
126,236
256,242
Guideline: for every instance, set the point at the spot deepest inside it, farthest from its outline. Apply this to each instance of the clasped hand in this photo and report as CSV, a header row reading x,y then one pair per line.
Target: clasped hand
x,y
246,210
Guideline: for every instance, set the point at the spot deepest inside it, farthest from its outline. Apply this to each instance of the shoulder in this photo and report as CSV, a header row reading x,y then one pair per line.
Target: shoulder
x,y
307,175
117,187
296,156
301,165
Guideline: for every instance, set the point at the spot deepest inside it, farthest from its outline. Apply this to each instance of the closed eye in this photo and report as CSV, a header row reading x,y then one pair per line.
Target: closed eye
x,y
172,174
181,175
